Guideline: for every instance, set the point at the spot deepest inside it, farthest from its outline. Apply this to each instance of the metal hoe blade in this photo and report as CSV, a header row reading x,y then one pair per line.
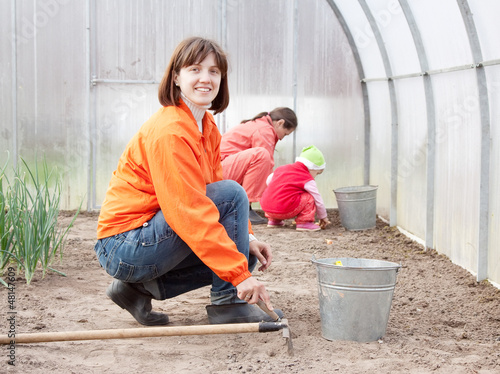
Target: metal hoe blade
x,y
288,336
286,329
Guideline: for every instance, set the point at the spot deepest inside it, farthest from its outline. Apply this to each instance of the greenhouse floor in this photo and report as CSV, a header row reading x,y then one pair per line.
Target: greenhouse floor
x,y
441,319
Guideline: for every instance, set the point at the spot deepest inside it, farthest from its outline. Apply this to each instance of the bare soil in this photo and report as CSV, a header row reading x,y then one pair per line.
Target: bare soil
x,y
441,319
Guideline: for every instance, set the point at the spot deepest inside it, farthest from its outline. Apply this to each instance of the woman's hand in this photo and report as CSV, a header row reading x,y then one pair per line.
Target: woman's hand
x,y
263,253
251,290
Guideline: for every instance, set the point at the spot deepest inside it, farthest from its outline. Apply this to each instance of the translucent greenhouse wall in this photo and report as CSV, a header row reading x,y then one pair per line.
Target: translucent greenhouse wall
x,y
45,91
399,94
81,103
429,70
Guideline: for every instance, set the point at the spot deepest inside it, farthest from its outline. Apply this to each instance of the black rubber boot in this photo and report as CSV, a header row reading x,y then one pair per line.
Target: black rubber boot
x,y
136,303
238,313
255,219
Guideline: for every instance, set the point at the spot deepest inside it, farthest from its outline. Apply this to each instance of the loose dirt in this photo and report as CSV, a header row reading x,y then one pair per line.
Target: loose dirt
x,y
441,320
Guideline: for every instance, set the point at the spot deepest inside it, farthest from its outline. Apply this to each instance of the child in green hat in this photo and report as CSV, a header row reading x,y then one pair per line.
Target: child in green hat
x,y
292,192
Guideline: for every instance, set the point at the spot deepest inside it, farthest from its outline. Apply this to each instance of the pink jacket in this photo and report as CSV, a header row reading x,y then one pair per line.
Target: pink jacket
x,y
251,134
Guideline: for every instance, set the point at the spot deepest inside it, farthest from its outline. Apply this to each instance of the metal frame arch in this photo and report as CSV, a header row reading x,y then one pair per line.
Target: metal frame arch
x,y
431,122
394,111
364,89
484,107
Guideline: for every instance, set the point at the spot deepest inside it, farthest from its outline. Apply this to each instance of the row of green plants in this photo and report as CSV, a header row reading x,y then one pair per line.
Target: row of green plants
x,y
30,236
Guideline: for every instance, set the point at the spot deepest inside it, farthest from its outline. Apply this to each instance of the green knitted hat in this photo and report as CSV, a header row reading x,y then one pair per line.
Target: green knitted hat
x,y
312,158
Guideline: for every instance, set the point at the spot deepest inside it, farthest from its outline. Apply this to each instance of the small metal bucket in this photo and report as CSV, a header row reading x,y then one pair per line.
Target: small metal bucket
x,y
357,207
355,298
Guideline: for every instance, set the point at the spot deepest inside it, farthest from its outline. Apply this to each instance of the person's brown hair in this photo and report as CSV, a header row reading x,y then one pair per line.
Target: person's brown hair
x,y
189,52
276,114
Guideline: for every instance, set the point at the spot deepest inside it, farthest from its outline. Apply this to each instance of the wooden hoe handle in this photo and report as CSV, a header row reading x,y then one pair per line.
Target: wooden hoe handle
x,y
145,332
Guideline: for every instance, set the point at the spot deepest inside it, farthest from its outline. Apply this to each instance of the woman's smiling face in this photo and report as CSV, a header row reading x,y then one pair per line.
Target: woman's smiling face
x,y
200,82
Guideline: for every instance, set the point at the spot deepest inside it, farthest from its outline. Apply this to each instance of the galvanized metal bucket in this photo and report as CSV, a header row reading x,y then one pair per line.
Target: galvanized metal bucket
x,y
357,206
355,297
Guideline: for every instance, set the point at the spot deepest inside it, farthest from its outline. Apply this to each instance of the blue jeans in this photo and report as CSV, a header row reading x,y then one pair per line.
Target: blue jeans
x,y
155,256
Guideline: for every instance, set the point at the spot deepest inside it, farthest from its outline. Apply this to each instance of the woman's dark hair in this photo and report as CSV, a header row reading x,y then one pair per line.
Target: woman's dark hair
x,y
189,52
276,114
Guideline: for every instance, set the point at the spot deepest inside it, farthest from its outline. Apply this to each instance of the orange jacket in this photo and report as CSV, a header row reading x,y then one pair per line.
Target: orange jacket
x,y
166,166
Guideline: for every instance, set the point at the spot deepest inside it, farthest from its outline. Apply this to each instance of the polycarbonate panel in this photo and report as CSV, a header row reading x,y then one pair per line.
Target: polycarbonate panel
x,y
7,75
261,57
397,37
458,144
363,37
121,110
493,77
443,33
412,156
329,103
485,15
380,145
136,38
52,91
